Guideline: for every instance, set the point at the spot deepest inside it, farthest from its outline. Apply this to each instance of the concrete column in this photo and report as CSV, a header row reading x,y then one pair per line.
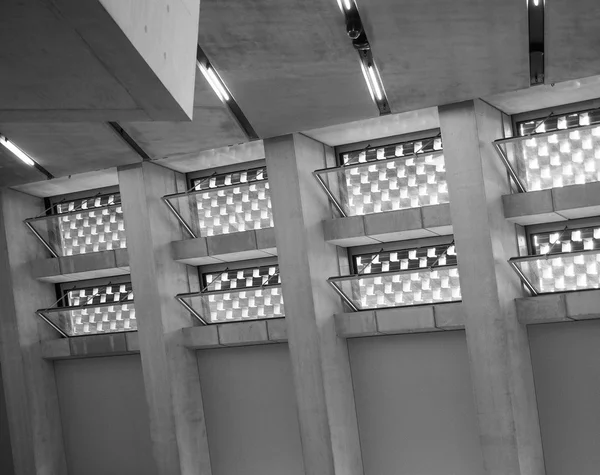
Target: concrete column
x,y
29,384
498,345
321,369
170,371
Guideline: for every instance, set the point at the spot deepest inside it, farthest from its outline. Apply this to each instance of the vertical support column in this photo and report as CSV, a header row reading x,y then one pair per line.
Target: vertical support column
x,y
498,346
321,368
29,384
170,371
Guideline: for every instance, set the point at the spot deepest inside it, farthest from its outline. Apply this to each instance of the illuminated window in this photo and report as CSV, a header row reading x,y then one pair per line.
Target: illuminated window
x,y
418,276
94,310
225,203
392,177
561,261
237,295
554,152
91,225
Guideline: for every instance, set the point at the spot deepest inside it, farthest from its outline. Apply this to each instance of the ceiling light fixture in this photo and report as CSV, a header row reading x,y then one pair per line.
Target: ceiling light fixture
x,y
212,77
17,151
535,11
358,36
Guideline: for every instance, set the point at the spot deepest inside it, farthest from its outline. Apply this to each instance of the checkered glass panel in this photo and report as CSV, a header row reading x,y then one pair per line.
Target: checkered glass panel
x,y
234,202
563,273
562,151
95,310
91,225
245,294
370,185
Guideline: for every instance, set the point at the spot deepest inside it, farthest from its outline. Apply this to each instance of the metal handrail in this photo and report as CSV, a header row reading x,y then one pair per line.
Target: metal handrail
x,y
345,278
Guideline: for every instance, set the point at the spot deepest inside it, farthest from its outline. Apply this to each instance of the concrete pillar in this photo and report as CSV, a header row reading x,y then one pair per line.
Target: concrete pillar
x,y
170,371
498,346
321,369
29,384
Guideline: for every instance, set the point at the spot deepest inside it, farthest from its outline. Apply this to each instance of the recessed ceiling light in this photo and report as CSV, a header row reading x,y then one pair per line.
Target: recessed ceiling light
x,y
20,154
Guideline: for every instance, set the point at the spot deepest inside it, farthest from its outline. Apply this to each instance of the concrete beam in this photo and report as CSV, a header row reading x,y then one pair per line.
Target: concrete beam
x,y
170,371
559,307
119,59
389,226
320,366
90,346
261,332
400,320
498,346
29,384
556,204
232,247
82,267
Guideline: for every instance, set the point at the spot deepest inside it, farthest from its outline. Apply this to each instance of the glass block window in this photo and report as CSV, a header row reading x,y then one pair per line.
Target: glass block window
x,y
420,258
558,122
399,176
233,202
419,276
569,240
94,310
244,294
91,225
560,151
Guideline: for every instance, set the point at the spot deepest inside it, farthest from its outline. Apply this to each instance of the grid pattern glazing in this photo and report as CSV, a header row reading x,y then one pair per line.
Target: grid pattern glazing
x,y
560,151
373,182
562,273
419,258
95,310
91,225
568,240
244,294
233,202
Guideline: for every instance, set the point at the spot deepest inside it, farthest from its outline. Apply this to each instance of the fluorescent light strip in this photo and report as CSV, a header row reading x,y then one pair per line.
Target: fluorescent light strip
x,y
347,4
376,87
367,80
214,82
17,151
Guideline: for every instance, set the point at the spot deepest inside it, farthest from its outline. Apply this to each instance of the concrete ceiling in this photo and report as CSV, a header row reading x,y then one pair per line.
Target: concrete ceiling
x,y
434,52
75,64
15,172
212,127
289,64
69,148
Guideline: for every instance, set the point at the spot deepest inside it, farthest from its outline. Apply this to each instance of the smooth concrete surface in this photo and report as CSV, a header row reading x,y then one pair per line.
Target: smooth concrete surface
x,y
419,65
105,416
567,380
426,318
89,346
251,414
556,204
260,332
389,226
499,355
559,307
6,460
320,366
244,245
94,265
172,388
28,380
416,412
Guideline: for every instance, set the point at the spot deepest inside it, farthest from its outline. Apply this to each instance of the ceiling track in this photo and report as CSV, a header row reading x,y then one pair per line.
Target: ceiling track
x,y
356,31
535,13
121,132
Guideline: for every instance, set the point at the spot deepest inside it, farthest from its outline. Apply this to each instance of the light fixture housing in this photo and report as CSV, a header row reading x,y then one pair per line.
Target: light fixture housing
x,y
16,151
223,93
374,82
